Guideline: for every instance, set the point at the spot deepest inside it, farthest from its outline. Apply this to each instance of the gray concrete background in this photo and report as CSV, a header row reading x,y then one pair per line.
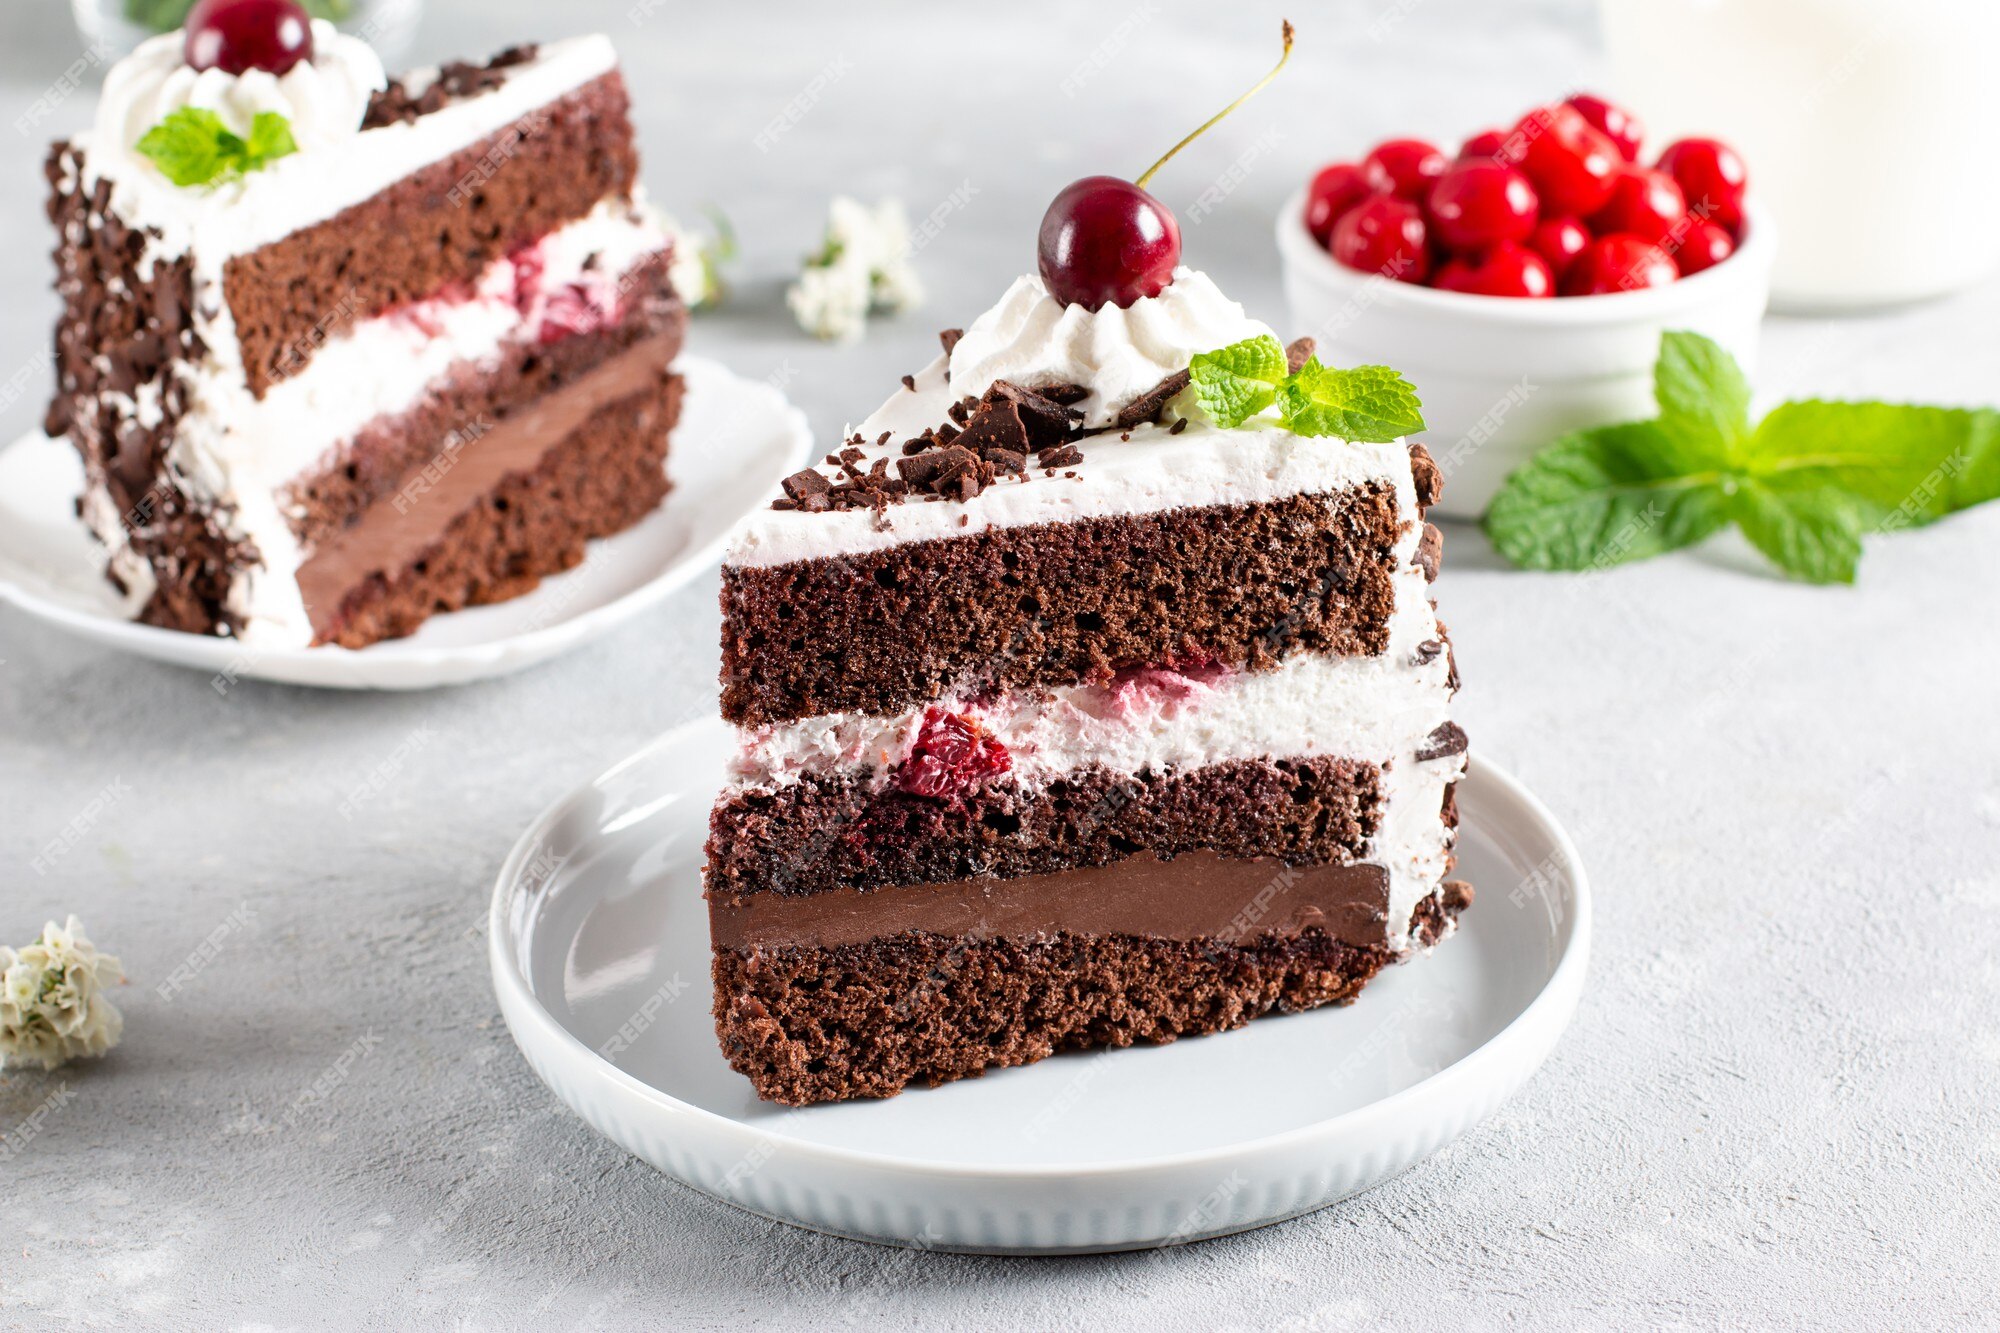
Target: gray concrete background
x,y
1775,1108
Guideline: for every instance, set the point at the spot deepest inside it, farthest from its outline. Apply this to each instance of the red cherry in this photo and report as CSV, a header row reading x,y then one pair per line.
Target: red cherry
x,y
953,751
1486,143
1614,122
1618,264
239,35
1405,167
1383,234
1559,241
1335,190
1704,245
1508,269
1480,203
1712,177
1569,160
1105,241
1644,202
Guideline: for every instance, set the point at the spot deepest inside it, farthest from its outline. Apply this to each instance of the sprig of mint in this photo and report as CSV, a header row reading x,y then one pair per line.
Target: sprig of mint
x,y
166,15
1236,384
193,147
1804,485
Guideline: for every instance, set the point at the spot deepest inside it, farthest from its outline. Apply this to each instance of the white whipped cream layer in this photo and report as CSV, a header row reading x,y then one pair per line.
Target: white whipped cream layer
x,y
1121,354
1378,709
324,98
1118,353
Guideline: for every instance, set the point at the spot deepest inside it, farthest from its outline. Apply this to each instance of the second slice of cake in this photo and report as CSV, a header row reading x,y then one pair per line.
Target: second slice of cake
x,y
1070,719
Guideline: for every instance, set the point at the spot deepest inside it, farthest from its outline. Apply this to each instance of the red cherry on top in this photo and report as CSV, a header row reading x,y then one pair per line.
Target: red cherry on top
x,y
1569,160
236,36
1335,190
1614,122
1618,264
1486,143
1383,234
1559,241
1703,246
1105,241
1508,269
1644,202
1404,167
1480,203
1712,177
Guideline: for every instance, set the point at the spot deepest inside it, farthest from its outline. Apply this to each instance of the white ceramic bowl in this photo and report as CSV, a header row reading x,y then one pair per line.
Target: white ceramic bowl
x,y
1500,377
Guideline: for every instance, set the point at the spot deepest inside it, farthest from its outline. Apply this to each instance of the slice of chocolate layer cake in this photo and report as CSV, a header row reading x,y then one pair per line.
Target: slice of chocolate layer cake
x,y
1070,717
340,352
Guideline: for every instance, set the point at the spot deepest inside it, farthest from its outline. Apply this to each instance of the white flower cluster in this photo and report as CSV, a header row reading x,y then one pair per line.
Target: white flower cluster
x,y
52,1003
864,267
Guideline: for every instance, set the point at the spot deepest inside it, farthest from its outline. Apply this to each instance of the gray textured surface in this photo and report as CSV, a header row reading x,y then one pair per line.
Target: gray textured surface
x,y
1776,1106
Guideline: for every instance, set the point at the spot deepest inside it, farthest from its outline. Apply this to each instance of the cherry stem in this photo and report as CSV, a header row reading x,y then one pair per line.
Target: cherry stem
x,y
1255,88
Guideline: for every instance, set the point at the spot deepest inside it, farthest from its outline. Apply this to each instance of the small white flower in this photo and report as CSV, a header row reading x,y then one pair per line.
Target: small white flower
x,y
832,302
862,266
695,266
52,1002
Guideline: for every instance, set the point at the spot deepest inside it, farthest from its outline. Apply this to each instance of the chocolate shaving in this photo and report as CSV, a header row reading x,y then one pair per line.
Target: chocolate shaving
x,y
1066,456
1428,650
1424,471
1066,394
1448,739
1048,422
805,483
1430,552
1297,353
456,80
910,383
1005,460
949,338
1180,424
1148,405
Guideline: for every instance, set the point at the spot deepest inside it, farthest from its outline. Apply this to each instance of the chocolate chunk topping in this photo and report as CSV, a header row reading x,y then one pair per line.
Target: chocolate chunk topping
x,y
1048,423
1430,552
805,487
1180,424
1428,650
455,80
1448,739
995,425
910,383
1067,455
949,338
1066,394
1148,405
1297,353
1424,470
1005,460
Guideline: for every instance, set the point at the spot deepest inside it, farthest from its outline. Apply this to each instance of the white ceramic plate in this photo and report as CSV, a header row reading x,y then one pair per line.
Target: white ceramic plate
x,y
599,948
735,440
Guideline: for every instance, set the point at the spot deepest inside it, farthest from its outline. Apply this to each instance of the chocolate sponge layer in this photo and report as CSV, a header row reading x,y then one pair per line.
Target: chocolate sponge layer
x,y
1054,604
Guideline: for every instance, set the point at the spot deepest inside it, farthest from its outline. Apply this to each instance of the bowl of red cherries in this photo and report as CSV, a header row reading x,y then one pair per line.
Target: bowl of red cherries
x,y
1522,282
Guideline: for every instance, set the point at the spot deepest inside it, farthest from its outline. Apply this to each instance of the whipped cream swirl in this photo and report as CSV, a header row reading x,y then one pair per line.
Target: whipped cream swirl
x,y
1119,354
324,98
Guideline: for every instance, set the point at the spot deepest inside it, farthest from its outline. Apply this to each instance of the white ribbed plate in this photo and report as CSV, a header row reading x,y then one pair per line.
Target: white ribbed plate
x,y
599,947
735,439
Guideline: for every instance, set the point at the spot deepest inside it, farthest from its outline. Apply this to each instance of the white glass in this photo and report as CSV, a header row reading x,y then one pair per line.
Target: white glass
x,y
1871,130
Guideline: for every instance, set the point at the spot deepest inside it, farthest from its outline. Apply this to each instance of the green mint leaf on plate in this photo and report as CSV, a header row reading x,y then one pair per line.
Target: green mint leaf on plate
x,y
1804,484
1813,534
192,146
1602,497
1237,382
1369,404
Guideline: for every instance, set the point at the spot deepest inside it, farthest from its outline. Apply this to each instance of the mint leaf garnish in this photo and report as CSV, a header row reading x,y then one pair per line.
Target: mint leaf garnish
x,y
1704,399
1811,534
1237,382
1599,498
1804,484
1372,404
193,147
